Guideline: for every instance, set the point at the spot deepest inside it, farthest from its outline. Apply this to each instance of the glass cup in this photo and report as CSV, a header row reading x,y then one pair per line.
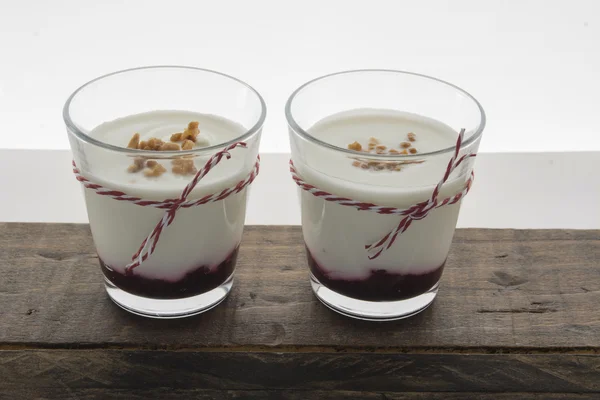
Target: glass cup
x,y
167,212
381,175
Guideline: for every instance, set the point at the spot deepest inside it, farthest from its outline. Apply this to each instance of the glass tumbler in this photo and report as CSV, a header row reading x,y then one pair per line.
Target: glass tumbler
x,y
165,156
382,160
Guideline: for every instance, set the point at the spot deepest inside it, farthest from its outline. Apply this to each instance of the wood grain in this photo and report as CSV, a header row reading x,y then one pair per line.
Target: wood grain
x,y
224,371
201,394
502,289
517,312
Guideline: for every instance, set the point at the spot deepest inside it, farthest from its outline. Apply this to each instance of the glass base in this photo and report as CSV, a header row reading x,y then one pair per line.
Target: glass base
x,y
372,310
170,308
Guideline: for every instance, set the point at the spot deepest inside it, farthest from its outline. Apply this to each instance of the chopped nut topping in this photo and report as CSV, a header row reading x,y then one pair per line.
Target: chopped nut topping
x,y
178,170
168,146
355,146
187,145
373,145
155,144
192,169
191,132
377,166
152,144
138,165
184,166
134,142
157,170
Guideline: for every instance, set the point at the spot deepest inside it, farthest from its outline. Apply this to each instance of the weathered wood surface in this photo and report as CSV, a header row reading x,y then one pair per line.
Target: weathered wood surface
x,y
203,394
145,369
517,312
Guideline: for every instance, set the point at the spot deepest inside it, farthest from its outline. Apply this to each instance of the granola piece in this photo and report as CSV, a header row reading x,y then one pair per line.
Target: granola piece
x,y
143,144
138,165
405,145
151,143
178,170
355,146
155,144
155,171
134,142
381,148
404,151
394,151
411,136
176,137
356,164
184,166
187,145
168,146
412,150
191,132
373,140
151,163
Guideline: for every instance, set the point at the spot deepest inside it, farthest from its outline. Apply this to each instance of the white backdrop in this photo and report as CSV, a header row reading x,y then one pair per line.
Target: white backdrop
x,y
533,64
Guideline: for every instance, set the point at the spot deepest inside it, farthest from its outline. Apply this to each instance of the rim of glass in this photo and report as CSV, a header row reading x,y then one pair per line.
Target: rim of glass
x,y
296,127
85,137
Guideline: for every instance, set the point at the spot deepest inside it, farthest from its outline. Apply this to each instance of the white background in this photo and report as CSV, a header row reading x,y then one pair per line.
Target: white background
x,y
534,65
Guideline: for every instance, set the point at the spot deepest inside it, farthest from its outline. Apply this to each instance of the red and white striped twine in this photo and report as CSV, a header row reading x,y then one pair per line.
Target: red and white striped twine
x,y
415,212
171,205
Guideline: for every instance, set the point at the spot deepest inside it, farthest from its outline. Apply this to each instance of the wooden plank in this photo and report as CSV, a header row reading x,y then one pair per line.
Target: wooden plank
x,y
516,317
502,291
59,393
178,394
371,372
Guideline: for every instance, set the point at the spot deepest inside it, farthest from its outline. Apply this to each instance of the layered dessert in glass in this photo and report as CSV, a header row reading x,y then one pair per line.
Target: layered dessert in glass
x,y
139,138
369,141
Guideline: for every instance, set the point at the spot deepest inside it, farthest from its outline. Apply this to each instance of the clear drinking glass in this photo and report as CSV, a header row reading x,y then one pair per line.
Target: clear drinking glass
x,y
187,265
368,150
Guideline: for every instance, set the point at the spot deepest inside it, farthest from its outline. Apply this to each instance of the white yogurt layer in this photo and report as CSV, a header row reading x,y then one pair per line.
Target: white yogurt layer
x,y
199,236
336,235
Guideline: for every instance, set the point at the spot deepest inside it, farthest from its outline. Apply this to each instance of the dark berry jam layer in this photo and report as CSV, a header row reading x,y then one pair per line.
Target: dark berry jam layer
x,y
380,285
199,280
